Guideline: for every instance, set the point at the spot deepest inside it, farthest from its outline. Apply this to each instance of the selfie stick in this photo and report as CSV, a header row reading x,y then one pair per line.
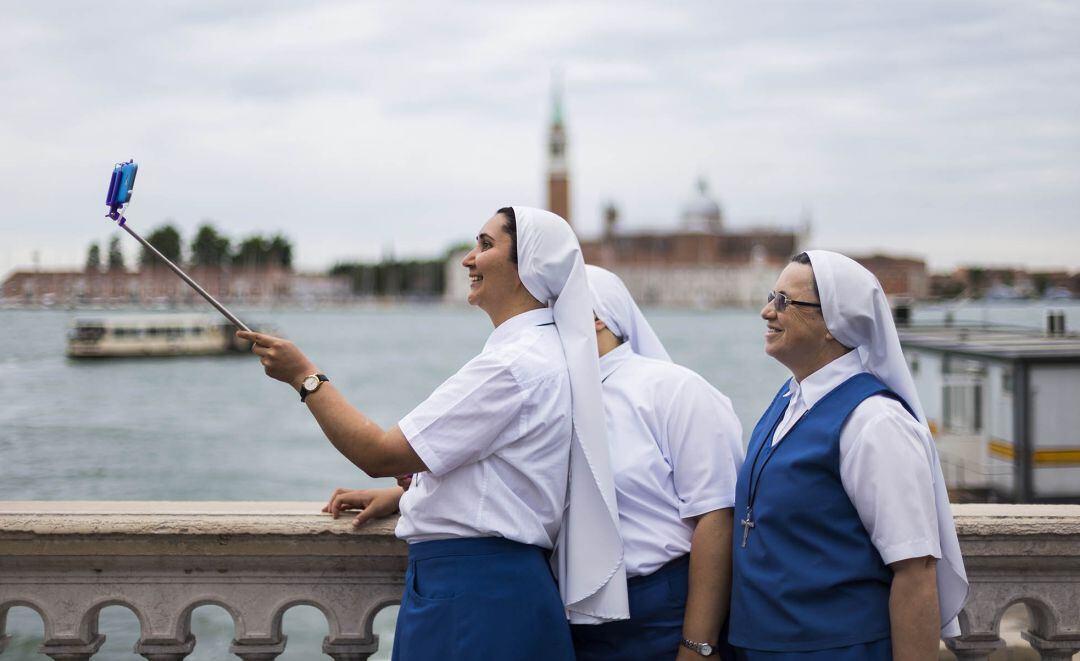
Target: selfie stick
x,y
119,199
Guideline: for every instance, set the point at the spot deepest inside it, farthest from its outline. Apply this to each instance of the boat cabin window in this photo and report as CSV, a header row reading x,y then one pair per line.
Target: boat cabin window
x,y
88,333
962,396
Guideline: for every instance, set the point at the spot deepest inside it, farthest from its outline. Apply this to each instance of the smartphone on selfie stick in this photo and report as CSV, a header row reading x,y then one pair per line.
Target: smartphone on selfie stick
x,y
118,198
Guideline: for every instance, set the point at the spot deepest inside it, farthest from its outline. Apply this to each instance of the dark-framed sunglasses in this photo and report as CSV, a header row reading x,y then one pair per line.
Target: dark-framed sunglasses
x,y
781,301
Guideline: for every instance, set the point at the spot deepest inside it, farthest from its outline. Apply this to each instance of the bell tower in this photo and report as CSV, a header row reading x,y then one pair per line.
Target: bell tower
x,y
558,180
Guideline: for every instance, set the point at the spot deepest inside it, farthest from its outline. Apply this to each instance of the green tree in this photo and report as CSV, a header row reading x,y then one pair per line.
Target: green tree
x,y
93,257
1041,281
209,248
116,256
166,239
280,251
252,251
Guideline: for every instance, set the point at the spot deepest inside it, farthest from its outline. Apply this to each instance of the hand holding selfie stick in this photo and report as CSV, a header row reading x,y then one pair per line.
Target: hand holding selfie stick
x,y
119,198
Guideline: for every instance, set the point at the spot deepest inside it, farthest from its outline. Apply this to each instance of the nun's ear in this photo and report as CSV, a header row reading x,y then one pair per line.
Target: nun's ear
x,y
599,324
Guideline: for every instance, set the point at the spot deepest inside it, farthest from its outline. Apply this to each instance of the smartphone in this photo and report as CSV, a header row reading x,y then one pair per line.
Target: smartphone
x,y
121,184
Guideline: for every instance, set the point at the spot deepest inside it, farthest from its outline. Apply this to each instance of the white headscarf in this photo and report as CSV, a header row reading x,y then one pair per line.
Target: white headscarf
x,y
857,314
614,306
588,557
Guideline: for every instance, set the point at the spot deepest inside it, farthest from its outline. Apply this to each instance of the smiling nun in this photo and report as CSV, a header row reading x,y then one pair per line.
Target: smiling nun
x,y
510,458
845,547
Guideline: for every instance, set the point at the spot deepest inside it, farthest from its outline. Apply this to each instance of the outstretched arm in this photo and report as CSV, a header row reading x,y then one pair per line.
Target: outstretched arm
x,y
377,452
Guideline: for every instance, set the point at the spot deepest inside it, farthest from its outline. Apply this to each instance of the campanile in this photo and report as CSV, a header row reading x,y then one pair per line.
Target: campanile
x,y
558,180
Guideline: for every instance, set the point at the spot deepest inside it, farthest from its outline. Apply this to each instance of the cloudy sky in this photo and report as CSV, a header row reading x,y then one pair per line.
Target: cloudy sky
x,y
945,130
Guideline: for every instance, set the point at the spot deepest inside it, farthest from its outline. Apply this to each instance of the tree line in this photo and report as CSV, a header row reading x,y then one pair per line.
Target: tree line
x,y
422,278
208,248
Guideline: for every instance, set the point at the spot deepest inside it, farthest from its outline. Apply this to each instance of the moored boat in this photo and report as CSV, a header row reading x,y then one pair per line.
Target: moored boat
x,y
152,335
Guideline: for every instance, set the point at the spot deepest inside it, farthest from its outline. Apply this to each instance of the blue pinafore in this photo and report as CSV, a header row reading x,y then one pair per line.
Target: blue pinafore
x,y
480,598
808,583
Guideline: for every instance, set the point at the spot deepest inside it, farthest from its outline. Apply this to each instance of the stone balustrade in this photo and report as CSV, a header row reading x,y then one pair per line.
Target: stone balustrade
x,y
68,560
162,560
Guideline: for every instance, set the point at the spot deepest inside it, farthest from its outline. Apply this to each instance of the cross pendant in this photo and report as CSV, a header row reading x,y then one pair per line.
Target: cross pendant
x,y
747,524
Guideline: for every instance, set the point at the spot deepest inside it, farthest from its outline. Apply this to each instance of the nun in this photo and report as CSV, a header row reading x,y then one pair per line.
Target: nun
x,y
845,546
676,448
510,461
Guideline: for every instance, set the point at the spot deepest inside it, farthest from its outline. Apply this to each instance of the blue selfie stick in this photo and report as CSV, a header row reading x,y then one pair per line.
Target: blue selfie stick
x,y
118,198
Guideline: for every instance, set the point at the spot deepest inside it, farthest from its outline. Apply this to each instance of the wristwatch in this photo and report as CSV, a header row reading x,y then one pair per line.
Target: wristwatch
x,y
310,384
704,649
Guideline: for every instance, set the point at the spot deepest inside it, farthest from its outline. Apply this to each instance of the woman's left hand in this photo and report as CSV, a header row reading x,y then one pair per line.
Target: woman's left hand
x,y
281,359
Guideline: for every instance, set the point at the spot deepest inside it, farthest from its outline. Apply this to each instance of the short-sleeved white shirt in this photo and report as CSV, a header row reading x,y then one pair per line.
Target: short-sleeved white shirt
x,y
496,440
676,449
884,466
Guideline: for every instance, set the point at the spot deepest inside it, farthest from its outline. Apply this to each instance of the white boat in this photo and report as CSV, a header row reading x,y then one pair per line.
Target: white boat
x,y
152,335
1002,405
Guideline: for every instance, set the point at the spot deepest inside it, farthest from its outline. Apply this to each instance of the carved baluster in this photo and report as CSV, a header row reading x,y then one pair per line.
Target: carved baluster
x,y
975,647
345,650
1054,649
72,649
258,649
70,634
351,615
165,650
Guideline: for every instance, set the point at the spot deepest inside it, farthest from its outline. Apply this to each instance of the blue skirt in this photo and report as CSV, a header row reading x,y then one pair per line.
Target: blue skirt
x,y
878,650
480,598
657,607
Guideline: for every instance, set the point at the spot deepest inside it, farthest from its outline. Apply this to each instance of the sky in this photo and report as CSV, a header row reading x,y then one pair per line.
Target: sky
x,y
947,131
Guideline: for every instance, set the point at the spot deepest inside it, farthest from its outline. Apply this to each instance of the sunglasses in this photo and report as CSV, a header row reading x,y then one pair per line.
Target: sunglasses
x,y
781,301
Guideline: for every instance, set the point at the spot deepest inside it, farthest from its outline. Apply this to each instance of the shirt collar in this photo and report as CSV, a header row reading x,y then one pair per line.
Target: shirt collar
x,y
826,379
614,359
510,328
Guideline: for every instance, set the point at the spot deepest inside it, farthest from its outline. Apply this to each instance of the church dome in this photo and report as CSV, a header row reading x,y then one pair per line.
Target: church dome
x,y
702,213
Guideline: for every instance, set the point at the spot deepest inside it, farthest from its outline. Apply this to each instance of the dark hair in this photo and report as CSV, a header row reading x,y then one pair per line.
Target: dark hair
x,y
803,258
510,227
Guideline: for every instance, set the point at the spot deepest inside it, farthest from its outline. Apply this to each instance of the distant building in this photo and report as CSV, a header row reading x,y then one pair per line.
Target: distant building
x,y
901,277
160,286
701,263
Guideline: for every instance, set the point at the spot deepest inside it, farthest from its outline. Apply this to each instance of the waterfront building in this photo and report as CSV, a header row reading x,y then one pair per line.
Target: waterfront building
x,y
699,263
1001,403
900,277
158,286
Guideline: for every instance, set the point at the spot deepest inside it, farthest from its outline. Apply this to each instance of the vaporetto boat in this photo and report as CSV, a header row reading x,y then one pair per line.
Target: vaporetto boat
x,y
152,335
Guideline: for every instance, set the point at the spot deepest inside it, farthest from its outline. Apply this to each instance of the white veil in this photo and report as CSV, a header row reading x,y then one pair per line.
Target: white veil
x,y
857,314
588,558
614,306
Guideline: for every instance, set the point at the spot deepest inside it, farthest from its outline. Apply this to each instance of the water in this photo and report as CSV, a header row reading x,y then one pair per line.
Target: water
x,y
219,429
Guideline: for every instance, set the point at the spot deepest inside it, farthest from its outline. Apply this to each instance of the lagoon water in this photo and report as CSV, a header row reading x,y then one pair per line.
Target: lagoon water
x,y
218,429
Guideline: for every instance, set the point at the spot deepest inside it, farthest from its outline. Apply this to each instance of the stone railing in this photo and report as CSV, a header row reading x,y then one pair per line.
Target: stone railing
x,y
162,560
67,561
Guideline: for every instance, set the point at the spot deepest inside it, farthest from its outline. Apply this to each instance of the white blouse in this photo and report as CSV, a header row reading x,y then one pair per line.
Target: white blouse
x,y
496,440
884,468
676,449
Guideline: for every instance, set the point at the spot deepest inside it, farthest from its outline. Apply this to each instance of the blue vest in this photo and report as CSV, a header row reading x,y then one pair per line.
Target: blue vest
x,y
809,577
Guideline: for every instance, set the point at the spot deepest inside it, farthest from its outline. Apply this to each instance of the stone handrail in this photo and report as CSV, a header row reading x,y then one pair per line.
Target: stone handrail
x,y
68,560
